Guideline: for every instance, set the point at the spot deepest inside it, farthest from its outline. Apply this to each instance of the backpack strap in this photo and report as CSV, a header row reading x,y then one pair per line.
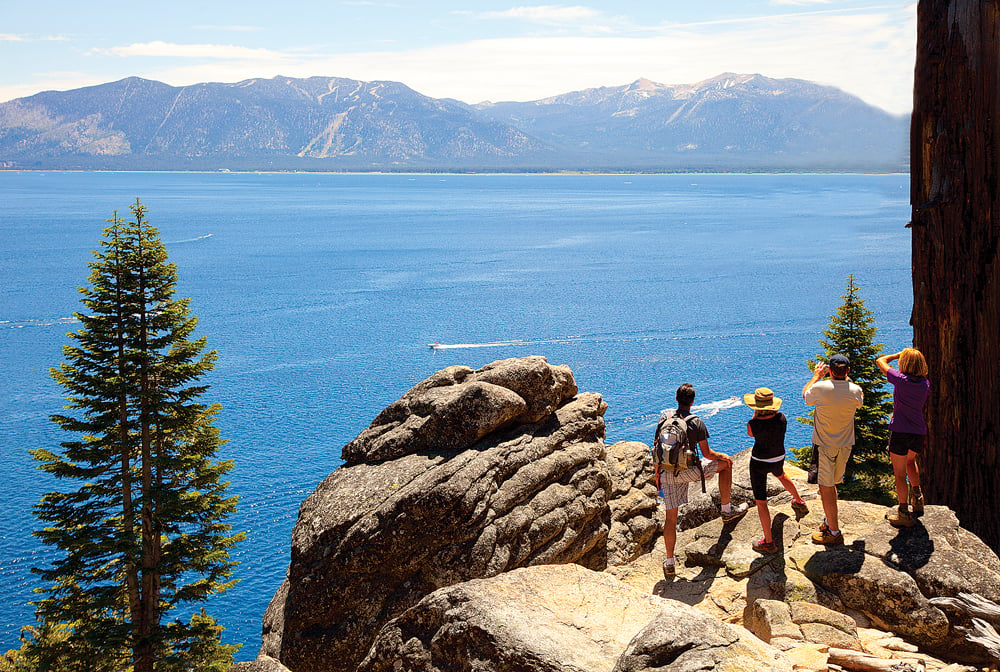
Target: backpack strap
x,y
697,452
659,426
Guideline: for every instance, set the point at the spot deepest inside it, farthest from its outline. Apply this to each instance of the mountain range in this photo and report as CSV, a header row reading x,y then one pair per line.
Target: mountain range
x,y
733,122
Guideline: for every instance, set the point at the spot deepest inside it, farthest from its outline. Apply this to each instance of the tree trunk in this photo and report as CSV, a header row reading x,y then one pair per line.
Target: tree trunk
x,y
144,654
955,198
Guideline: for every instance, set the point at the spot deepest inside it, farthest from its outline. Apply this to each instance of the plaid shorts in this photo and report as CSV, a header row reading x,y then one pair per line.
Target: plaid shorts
x,y
675,488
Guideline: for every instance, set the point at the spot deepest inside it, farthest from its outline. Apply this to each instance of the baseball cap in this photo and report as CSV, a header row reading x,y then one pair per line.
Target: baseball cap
x,y
839,361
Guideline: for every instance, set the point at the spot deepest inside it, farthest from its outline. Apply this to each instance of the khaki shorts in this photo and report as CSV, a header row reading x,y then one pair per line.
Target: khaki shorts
x,y
832,464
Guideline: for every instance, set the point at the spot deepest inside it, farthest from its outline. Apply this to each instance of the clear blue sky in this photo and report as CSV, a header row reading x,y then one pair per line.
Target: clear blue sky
x,y
472,51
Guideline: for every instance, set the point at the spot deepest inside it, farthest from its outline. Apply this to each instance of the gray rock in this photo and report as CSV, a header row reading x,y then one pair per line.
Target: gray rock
x,y
889,574
683,639
636,523
730,545
885,575
261,664
540,619
771,619
457,406
544,387
375,538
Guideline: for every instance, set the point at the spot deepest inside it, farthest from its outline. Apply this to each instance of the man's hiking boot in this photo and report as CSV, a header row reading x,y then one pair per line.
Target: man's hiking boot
x,y
827,538
737,512
900,519
800,508
669,571
765,547
916,501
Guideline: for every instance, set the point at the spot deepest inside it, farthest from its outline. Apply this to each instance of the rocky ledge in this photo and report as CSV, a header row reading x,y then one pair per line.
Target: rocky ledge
x,y
482,523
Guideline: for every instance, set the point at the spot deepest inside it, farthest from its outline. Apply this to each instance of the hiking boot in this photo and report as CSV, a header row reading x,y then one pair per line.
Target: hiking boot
x,y
800,508
765,547
736,513
916,501
900,519
828,538
669,571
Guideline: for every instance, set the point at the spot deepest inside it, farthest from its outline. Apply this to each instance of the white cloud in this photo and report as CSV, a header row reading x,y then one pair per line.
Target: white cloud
x,y
199,51
544,13
229,29
11,37
800,2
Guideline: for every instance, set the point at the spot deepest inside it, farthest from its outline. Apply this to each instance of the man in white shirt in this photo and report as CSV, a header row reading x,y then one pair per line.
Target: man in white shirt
x,y
836,400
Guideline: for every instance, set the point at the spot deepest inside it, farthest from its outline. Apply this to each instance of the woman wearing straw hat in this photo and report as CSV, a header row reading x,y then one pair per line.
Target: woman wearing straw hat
x,y
767,427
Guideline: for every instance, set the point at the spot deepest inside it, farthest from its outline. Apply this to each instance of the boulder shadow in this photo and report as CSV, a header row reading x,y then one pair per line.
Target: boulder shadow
x,y
910,549
846,559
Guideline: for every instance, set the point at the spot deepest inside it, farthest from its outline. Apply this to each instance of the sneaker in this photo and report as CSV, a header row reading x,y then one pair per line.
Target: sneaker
x,y
828,538
765,547
900,519
800,508
916,501
735,513
669,571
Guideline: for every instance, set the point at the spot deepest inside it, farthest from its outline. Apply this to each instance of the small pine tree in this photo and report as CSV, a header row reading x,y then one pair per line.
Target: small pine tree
x,y
144,531
852,333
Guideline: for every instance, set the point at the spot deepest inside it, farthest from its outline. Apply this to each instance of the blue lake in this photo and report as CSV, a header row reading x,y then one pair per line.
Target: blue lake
x,y
321,293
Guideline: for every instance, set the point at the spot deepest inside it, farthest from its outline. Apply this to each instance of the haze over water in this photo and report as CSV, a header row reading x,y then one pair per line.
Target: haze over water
x,y
321,293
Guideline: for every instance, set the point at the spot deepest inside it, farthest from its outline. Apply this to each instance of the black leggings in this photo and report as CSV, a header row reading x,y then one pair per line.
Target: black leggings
x,y
758,476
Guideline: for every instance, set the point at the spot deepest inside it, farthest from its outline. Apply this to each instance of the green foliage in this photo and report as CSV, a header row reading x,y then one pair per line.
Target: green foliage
x,y
144,531
852,332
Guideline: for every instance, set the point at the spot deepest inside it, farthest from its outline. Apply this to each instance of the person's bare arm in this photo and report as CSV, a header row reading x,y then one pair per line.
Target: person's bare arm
x,y
883,362
819,371
711,454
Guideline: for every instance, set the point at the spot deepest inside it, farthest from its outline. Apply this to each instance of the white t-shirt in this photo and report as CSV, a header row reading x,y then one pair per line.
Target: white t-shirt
x,y
833,421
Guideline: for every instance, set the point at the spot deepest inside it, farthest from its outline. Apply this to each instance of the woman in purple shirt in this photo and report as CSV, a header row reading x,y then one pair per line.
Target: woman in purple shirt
x,y
907,429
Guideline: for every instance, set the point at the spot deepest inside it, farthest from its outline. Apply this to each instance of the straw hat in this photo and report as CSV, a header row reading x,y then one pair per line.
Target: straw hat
x,y
762,399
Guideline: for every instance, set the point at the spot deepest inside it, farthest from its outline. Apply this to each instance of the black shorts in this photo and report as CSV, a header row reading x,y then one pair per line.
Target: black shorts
x,y
900,443
758,476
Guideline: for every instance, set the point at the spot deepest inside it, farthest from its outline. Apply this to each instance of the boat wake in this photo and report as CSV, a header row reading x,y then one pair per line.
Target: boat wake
x,y
190,240
21,324
497,344
713,407
565,340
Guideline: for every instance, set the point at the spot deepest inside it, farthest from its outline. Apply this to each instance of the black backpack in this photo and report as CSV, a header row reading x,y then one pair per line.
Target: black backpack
x,y
672,450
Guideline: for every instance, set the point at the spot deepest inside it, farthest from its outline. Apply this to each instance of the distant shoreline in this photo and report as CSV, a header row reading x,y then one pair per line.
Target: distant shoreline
x,y
224,171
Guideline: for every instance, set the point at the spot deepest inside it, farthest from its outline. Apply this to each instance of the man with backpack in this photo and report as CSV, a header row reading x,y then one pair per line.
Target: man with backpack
x,y
679,436
835,400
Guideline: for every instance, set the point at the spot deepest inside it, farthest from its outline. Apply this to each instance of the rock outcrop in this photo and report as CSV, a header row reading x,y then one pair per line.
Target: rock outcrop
x,y
883,577
559,618
481,522
469,475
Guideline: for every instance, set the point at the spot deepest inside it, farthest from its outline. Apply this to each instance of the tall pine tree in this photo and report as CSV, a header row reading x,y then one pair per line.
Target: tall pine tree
x,y
144,531
852,332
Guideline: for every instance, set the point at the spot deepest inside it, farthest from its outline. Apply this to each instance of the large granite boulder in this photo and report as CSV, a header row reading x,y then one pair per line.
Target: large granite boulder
x,y
457,406
469,475
636,521
559,618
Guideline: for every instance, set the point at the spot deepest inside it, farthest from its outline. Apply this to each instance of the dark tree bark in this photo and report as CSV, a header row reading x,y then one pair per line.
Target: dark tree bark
x,y
955,198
